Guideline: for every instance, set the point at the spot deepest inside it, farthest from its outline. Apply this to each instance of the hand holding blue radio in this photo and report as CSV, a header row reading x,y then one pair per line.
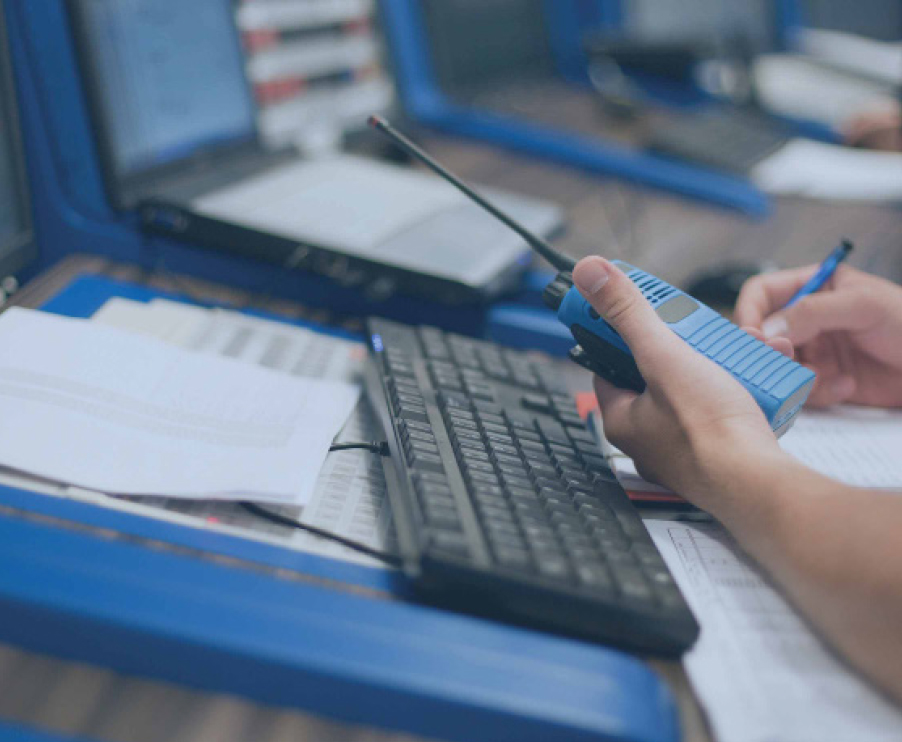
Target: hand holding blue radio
x,y
695,427
778,384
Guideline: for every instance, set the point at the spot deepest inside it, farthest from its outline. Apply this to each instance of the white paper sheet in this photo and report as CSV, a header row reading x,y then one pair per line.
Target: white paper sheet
x,y
793,86
349,498
760,672
859,446
132,415
828,171
856,445
880,60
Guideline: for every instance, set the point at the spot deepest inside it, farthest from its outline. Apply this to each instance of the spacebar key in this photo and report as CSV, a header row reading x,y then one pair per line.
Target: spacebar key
x,y
452,543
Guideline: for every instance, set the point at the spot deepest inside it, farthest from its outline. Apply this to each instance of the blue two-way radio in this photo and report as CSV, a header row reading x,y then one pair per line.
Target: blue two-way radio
x,y
778,384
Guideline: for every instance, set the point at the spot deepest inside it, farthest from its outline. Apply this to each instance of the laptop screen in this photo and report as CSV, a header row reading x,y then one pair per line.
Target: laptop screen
x,y
166,78
17,247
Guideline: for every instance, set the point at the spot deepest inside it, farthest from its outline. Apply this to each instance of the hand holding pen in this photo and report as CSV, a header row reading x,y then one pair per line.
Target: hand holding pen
x,y
849,335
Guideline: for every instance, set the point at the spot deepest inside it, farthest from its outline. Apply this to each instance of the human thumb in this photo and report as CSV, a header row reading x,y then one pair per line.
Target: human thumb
x,y
617,299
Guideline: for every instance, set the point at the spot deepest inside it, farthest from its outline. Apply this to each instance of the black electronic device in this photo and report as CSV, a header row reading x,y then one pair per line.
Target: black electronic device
x,y
176,129
720,137
502,501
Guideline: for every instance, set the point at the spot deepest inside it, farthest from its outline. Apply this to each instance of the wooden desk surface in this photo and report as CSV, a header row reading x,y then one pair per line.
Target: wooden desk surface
x,y
670,236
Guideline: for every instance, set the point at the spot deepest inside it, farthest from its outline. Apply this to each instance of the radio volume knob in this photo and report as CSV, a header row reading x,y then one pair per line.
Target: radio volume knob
x,y
555,291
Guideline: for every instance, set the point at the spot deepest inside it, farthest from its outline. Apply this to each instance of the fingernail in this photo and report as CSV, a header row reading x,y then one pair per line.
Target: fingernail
x,y
774,327
590,275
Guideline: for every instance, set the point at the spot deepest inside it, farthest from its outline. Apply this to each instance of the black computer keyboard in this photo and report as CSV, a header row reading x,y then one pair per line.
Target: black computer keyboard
x,y
730,140
502,501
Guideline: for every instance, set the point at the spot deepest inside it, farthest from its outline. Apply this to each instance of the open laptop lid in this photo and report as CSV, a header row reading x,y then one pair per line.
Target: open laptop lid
x,y
18,248
167,90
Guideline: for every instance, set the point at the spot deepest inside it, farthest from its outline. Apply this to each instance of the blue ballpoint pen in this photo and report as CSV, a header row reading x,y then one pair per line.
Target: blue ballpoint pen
x,y
824,273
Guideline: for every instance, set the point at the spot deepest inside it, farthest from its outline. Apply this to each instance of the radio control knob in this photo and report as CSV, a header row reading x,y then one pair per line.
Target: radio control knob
x,y
555,291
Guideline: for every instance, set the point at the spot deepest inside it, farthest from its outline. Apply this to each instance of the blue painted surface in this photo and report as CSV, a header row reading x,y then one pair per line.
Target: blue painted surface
x,y
568,22
17,733
529,327
383,663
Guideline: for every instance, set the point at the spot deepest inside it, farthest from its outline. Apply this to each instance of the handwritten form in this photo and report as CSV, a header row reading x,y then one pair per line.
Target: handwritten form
x,y
759,670
349,498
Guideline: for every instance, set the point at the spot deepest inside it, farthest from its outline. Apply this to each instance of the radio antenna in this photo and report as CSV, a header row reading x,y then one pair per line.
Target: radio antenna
x,y
557,259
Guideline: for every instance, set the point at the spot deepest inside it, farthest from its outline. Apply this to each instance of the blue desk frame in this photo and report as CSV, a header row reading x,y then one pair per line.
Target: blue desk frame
x,y
17,733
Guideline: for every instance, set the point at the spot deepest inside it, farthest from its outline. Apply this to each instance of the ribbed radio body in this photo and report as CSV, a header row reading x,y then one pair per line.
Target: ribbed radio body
x,y
779,385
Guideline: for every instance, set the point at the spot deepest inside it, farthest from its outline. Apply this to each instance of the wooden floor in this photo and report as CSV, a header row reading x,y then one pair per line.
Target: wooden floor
x,y
667,235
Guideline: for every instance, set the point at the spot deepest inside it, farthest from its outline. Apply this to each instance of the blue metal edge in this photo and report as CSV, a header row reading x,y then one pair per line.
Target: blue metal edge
x,y
17,733
528,327
161,615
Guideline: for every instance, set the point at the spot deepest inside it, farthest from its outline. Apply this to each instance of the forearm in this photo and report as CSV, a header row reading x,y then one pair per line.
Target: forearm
x,y
835,550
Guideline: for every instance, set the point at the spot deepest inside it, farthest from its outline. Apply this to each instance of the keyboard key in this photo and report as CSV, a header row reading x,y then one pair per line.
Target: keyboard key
x,y
594,576
478,477
513,558
553,567
449,542
632,583
537,403
414,413
446,519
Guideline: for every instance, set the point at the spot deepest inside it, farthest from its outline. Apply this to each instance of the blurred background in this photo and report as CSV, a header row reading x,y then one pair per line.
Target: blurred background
x,y
696,137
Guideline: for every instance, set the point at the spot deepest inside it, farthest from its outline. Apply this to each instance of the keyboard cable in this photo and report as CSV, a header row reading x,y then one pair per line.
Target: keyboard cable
x,y
375,447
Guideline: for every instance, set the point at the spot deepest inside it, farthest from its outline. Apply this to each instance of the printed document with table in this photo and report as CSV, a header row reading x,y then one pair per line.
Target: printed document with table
x,y
349,498
127,414
759,670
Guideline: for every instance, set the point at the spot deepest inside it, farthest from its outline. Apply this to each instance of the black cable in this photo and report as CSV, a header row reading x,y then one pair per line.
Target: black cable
x,y
284,520
375,447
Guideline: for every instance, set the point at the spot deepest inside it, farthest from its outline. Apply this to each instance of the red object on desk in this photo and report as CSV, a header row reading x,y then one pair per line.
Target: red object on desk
x,y
586,404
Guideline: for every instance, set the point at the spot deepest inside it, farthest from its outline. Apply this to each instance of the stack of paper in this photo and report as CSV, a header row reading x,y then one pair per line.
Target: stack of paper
x,y
350,494
856,445
116,412
760,672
